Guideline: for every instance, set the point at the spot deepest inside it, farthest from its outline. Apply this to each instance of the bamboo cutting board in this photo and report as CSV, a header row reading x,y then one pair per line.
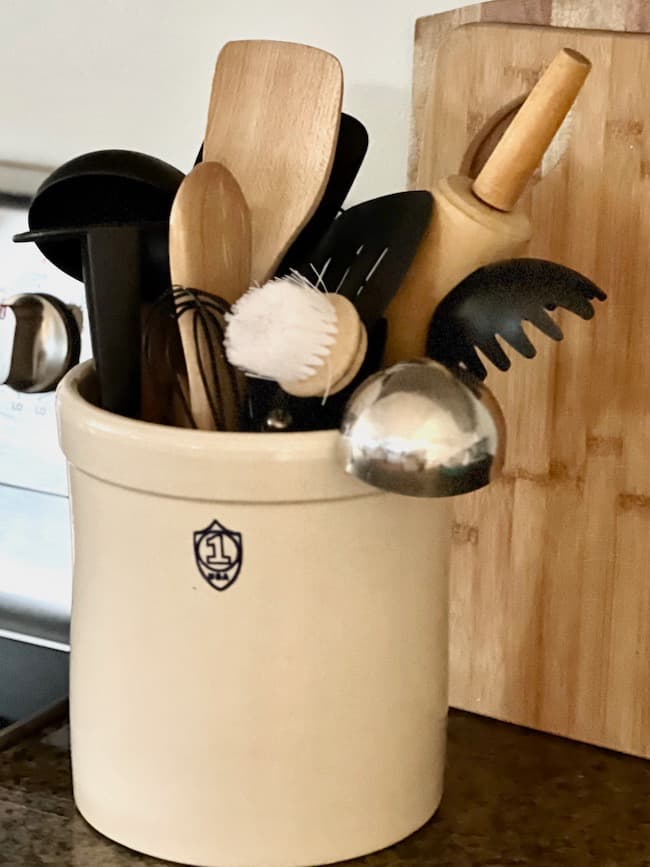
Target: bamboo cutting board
x,y
550,602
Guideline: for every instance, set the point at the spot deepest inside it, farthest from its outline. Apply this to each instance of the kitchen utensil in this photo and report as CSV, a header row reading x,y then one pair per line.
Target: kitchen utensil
x,y
549,595
274,410
472,223
311,342
494,300
164,390
210,251
363,256
116,187
351,147
368,249
44,339
102,217
273,122
420,430
112,272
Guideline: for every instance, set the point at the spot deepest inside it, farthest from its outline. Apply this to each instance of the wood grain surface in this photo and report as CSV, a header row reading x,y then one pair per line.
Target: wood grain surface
x,y
273,121
550,610
430,32
209,250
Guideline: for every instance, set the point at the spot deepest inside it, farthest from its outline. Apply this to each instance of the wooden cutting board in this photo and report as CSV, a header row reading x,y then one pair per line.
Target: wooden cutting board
x,y
550,610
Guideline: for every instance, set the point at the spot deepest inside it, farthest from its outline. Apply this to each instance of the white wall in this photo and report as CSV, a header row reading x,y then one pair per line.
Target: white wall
x,y
78,75
85,74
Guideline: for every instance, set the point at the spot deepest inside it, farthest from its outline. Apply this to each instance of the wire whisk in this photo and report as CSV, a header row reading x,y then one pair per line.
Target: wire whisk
x,y
164,364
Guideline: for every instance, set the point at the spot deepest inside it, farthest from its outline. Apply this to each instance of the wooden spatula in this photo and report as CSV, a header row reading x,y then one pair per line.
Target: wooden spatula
x,y
351,147
209,250
273,122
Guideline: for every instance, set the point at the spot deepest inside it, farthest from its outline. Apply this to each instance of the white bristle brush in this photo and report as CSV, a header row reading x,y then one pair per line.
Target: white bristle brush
x,y
311,342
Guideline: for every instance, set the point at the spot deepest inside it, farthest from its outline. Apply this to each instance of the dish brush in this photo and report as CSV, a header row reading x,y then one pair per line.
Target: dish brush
x,y
312,343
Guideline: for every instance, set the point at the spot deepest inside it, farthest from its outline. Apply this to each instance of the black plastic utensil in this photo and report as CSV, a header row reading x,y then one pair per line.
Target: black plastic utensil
x,y
368,249
493,302
106,187
103,217
364,255
113,276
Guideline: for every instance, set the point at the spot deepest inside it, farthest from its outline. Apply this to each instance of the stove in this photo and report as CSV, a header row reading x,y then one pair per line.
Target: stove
x,y
35,534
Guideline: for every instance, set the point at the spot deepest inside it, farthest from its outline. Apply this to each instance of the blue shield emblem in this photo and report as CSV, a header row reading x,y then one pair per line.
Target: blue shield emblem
x,y
218,553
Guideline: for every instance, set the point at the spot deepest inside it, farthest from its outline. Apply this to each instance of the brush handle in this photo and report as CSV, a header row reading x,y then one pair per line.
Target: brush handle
x,y
521,148
111,264
345,357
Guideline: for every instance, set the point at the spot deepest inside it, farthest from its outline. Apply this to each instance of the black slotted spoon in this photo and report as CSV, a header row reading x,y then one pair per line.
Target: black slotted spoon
x,y
494,301
368,249
364,255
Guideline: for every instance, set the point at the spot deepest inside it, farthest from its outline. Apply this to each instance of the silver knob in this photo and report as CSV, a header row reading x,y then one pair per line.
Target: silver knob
x,y
420,430
40,339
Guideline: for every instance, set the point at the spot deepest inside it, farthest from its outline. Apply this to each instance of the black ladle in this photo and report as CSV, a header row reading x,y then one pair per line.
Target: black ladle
x,y
493,302
102,187
103,218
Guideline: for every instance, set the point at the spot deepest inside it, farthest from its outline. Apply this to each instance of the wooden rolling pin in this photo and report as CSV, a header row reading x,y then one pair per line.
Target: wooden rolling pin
x,y
472,223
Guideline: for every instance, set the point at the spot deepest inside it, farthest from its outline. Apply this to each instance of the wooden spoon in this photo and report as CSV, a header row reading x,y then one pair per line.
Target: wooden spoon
x,y
273,121
209,250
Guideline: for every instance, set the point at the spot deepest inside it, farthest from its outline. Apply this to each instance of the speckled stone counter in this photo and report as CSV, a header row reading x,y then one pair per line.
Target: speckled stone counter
x,y
512,797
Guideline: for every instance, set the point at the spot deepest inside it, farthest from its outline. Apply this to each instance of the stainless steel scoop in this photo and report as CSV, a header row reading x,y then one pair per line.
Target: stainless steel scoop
x,y
40,341
420,430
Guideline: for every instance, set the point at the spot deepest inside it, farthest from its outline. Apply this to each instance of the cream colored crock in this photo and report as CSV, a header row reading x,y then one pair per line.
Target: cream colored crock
x,y
292,716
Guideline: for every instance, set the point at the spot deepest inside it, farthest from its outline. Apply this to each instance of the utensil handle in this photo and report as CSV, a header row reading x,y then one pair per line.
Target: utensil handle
x,y
213,384
111,272
513,161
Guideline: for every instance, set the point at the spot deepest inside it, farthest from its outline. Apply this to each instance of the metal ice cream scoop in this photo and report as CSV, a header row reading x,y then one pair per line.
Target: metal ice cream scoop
x,y
39,341
420,430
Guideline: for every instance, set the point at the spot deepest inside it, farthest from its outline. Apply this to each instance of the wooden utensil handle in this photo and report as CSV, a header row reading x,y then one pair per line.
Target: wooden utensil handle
x,y
510,166
345,358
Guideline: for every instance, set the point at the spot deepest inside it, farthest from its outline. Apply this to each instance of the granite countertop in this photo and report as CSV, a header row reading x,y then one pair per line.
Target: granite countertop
x,y
512,797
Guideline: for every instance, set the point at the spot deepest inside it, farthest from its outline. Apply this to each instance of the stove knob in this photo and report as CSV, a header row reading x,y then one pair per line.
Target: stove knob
x,y
40,341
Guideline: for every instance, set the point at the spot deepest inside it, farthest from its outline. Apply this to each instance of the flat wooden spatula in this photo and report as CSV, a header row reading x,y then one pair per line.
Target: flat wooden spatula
x,y
209,251
273,122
